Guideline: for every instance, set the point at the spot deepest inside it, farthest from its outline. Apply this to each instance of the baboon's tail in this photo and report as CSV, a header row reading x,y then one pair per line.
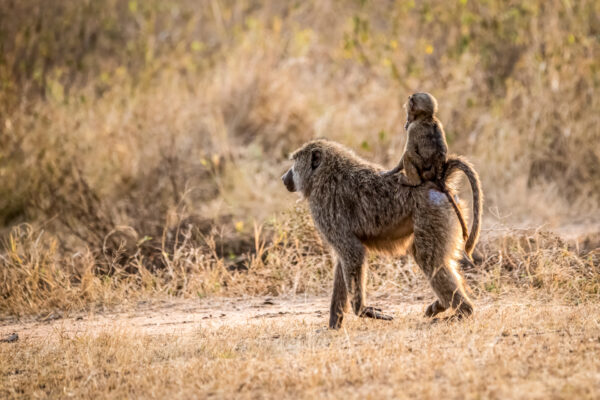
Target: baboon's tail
x,y
460,163
457,210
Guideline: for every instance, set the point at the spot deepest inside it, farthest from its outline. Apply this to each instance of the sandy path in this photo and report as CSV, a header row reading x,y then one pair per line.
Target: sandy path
x,y
181,316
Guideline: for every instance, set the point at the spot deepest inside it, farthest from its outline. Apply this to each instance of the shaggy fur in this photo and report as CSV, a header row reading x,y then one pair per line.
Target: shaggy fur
x,y
355,208
426,150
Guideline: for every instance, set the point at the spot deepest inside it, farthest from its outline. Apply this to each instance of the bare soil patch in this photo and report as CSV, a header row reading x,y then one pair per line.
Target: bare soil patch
x,y
185,316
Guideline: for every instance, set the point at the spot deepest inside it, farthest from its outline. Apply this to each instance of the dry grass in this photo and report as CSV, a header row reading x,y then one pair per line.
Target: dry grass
x,y
534,335
293,260
515,347
141,145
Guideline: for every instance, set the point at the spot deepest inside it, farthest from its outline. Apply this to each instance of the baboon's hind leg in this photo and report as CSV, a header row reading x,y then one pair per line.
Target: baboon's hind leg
x,y
434,309
429,250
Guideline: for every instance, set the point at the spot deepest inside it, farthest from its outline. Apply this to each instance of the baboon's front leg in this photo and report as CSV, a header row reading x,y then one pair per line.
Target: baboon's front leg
x,y
339,298
352,256
351,253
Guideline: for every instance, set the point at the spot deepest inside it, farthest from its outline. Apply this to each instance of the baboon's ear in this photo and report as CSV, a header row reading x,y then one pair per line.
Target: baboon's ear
x,y
315,159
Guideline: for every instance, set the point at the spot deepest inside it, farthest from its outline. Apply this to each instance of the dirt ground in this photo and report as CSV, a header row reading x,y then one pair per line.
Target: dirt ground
x,y
514,347
186,316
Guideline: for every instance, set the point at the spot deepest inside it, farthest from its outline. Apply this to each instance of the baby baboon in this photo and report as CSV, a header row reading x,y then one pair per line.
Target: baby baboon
x,y
426,150
355,208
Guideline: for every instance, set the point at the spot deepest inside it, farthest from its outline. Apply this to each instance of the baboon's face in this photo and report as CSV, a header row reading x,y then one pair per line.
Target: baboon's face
x,y
420,104
306,161
288,180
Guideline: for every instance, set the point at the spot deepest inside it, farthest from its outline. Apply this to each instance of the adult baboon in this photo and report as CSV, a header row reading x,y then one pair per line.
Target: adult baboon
x,y
356,208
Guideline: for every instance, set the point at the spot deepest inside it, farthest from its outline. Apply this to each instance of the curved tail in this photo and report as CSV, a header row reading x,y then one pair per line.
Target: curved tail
x,y
457,210
453,164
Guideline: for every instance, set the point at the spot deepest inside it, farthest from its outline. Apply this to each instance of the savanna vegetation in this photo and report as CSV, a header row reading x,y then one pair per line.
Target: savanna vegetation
x,y
141,145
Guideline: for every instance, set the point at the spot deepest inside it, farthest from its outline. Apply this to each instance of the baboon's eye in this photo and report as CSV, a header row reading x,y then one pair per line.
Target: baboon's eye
x,y
315,159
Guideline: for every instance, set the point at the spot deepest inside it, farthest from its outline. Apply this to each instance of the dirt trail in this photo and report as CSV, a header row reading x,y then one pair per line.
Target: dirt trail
x,y
183,316
187,316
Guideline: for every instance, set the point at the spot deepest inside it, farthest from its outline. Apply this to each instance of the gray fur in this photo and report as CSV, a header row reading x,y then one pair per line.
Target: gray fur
x,y
356,208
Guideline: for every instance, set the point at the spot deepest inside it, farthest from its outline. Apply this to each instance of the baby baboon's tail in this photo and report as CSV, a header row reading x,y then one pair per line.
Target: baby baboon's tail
x,y
460,163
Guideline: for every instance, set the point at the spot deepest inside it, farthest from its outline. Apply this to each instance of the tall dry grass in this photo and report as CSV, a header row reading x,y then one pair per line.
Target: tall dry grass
x,y
141,143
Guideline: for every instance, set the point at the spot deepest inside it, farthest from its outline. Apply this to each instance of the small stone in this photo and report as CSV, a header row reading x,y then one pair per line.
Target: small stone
x,y
13,337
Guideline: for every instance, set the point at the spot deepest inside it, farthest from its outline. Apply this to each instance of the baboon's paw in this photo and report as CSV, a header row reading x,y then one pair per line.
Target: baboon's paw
x,y
464,310
372,312
434,309
335,322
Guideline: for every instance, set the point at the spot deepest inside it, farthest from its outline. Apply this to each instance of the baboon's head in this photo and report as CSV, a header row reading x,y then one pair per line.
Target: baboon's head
x,y
419,105
308,161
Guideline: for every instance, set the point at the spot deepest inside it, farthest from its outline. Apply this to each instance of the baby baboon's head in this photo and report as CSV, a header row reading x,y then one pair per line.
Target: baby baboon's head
x,y
307,160
420,105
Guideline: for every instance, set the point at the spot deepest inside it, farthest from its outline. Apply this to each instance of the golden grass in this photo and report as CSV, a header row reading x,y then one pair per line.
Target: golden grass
x,y
141,145
287,257
514,347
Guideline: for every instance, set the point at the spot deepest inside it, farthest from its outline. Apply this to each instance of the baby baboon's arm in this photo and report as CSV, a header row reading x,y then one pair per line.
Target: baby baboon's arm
x,y
398,168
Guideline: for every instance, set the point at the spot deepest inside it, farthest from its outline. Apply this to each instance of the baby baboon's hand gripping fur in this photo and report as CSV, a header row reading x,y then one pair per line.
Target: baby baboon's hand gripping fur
x,y
355,208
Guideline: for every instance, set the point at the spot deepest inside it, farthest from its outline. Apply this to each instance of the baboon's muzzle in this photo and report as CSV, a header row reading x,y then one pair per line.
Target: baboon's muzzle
x,y
288,180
